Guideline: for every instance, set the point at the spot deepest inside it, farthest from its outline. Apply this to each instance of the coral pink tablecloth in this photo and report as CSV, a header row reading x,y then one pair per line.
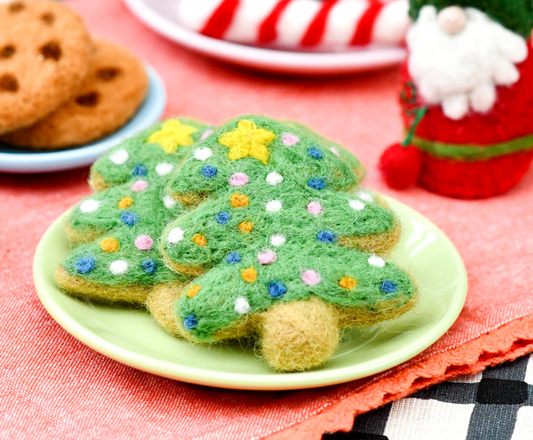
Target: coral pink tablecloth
x,y
52,386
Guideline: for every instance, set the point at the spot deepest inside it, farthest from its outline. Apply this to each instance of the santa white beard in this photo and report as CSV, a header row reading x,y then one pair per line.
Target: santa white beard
x,y
461,71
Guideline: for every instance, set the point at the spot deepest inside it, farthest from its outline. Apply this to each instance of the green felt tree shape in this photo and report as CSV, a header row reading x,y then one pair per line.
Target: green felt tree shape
x,y
120,226
282,242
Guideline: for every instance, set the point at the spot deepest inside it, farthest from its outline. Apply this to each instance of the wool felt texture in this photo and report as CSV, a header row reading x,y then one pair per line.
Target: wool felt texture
x,y
118,165
122,260
42,375
233,236
46,53
516,15
308,24
458,56
400,165
478,156
481,155
122,224
112,92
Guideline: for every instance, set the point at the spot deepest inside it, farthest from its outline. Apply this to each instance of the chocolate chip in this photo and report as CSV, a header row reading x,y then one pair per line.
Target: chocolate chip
x,y
89,99
48,18
16,6
8,83
108,73
7,51
51,50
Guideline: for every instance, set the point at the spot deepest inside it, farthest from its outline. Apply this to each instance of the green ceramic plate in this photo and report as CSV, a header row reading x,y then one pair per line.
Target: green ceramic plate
x,y
131,336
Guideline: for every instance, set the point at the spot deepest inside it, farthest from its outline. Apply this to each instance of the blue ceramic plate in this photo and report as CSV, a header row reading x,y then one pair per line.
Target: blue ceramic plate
x,y
16,160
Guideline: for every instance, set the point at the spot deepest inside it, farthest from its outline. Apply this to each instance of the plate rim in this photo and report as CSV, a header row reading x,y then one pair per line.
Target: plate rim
x,y
275,382
84,155
263,58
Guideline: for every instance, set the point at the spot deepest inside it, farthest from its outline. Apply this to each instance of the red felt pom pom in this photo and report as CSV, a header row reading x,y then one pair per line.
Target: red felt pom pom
x,y
400,166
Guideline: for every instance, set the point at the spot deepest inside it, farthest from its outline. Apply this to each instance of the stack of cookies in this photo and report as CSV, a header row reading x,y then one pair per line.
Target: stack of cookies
x,y
58,87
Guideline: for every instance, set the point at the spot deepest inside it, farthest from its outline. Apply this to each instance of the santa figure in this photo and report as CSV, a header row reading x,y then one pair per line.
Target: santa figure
x,y
467,98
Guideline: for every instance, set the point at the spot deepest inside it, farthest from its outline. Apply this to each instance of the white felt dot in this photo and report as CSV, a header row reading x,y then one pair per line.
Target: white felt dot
x,y
365,196
164,168
274,178
273,206
119,157
175,235
357,205
277,240
203,153
242,306
335,151
376,261
89,206
119,267
169,202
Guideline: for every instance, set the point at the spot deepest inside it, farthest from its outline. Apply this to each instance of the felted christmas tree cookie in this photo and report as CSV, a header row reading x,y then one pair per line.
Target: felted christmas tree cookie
x,y
282,243
121,225
466,98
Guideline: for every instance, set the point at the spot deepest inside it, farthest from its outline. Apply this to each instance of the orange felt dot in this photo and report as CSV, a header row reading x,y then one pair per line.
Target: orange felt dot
x,y
246,227
109,244
199,239
249,275
348,283
193,291
239,200
126,202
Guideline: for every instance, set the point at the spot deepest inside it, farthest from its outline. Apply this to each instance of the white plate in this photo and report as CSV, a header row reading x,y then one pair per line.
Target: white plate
x,y
22,161
161,16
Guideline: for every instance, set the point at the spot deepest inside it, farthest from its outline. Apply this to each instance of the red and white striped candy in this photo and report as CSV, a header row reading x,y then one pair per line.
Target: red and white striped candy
x,y
299,24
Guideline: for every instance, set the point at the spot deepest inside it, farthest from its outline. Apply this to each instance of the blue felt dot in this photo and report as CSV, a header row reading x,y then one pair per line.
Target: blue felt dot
x,y
326,237
85,264
223,217
389,287
315,153
149,266
209,171
139,170
129,218
190,322
316,183
233,258
276,289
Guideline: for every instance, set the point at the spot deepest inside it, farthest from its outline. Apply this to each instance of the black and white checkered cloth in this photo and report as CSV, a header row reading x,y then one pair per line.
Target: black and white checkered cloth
x,y
494,405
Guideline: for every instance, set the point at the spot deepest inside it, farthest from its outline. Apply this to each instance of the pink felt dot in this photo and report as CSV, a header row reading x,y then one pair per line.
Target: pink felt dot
x,y
315,208
206,134
290,139
140,185
266,256
144,243
239,179
311,278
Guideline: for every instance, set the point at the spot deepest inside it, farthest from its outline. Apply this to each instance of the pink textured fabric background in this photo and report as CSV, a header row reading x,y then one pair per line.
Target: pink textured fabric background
x,y
53,386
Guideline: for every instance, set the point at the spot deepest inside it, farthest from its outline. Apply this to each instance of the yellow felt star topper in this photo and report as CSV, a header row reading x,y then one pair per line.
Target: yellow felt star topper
x,y
173,134
247,141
